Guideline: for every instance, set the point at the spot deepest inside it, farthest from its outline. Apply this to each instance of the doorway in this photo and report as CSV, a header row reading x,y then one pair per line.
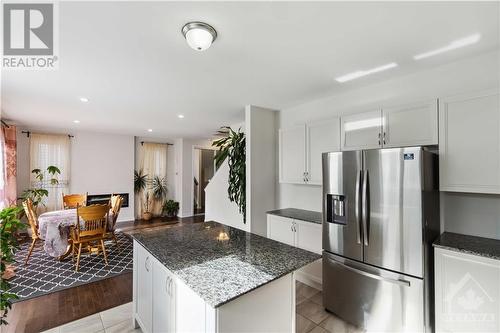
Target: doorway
x,y
203,171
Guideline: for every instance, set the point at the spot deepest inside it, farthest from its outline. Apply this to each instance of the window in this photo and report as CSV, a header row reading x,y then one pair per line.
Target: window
x,y
45,150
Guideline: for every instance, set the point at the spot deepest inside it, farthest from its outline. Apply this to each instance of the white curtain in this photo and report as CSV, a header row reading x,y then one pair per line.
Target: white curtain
x,y
152,162
45,150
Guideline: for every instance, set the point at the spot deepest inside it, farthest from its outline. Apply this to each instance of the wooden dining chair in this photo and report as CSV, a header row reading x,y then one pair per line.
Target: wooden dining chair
x,y
29,209
116,202
90,228
72,200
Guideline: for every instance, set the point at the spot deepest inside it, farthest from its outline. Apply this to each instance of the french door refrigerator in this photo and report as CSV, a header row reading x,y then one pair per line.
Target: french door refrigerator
x,y
380,216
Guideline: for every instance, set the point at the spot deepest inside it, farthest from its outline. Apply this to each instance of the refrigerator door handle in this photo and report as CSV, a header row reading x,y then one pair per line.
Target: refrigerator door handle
x,y
400,282
365,217
357,206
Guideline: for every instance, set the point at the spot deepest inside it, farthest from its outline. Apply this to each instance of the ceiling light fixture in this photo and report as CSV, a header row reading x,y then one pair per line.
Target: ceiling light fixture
x,y
199,35
84,99
181,116
361,73
76,121
456,44
150,130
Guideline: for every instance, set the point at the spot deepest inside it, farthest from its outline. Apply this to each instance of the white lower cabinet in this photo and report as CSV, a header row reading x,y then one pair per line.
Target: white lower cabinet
x,y
163,299
467,292
302,234
143,291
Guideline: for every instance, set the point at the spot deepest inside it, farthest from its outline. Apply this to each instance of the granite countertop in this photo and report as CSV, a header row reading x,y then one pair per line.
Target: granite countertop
x,y
484,247
298,214
221,270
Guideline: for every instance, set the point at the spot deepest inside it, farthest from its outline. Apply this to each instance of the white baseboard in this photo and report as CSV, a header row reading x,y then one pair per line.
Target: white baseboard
x,y
309,279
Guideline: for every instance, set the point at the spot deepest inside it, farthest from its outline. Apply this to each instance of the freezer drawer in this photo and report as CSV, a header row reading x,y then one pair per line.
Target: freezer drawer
x,y
371,298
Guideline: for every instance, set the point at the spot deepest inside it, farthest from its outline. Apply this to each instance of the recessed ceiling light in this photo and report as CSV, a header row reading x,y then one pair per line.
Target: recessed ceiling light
x,y
76,121
361,73
150,130
199,35
84,99
180,116
456,44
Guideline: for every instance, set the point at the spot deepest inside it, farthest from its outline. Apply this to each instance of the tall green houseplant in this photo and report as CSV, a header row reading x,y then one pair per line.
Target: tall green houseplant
x,y
9,226
232,147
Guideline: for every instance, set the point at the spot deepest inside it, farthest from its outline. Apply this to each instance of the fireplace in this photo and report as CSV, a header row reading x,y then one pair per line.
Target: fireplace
x,y
99,199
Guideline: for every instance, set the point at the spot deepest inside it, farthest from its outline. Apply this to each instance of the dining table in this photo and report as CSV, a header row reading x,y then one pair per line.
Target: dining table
x,y
54,228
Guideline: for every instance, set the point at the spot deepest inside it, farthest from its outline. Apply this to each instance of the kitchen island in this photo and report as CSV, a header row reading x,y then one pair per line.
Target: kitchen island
x,y
210,277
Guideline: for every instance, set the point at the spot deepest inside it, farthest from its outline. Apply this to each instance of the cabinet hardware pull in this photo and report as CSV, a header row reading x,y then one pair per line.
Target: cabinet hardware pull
x,y
384,138
167,285
146,264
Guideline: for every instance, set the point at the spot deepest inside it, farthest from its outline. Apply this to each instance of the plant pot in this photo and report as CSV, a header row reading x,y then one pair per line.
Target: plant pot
x,y
147,216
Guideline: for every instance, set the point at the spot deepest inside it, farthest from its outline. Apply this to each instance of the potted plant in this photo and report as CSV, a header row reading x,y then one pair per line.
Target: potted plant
x,y
140,181
171,208
159,188
38,193
9,226
232,148
146,213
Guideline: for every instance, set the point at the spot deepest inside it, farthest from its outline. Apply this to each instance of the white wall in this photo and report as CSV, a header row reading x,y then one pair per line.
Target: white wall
x,y
100,163
261,165
481,72
217,205
103,163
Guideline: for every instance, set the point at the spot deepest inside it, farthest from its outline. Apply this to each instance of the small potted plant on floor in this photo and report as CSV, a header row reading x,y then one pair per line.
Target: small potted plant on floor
x,y
146,213
171,208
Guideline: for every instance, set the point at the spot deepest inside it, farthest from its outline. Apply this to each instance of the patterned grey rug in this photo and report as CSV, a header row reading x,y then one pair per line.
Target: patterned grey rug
x,y
44,274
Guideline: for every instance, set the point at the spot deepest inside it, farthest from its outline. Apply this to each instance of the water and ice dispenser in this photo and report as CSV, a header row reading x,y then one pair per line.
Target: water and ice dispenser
x,y
336,207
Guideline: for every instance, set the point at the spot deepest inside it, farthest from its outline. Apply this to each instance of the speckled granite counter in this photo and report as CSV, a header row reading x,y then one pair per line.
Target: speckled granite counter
x,y
221,270
298,214
485,247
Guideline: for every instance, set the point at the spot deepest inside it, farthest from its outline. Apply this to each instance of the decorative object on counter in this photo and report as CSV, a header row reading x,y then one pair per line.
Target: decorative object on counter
x,y
39,192
9,226
232,147
171,208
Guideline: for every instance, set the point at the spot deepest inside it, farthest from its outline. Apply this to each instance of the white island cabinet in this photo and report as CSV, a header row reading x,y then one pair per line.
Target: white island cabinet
x,y
213,278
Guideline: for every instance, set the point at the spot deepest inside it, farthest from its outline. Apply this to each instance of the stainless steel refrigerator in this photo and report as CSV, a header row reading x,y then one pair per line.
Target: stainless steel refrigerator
x,y
380,216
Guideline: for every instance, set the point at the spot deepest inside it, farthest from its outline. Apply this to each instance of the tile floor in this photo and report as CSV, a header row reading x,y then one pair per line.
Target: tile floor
x,y
311,317
115,320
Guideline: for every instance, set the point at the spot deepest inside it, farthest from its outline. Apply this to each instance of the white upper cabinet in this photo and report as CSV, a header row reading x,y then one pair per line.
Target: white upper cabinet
x,y
321,137
300,150
361,131
292,147
411,125
469,143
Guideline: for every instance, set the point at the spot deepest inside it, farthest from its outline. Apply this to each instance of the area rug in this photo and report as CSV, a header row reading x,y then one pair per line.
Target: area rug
x,y
44,274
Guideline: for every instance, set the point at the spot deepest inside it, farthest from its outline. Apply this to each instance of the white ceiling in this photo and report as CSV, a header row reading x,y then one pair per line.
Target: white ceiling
x,y
131,61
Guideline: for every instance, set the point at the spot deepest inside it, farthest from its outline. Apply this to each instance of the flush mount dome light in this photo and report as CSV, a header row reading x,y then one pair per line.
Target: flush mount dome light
x,y
199,35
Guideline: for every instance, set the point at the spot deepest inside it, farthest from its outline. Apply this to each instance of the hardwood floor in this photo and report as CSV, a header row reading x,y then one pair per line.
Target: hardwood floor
x,y
55,309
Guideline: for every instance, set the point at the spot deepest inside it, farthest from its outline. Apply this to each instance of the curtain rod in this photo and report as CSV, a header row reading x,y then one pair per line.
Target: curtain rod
x,y
158,143
29,132
5,124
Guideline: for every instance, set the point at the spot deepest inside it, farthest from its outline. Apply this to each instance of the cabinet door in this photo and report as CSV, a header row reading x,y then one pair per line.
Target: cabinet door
x,y
163,306
292,147
467,292
361,131
469,143
144,292
308,236
411,125
280,229
321,137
